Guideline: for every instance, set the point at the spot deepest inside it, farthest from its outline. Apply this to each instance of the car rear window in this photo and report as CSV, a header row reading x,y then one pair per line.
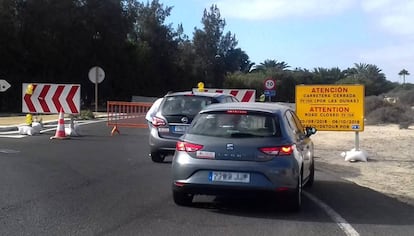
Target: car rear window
x,y
184,105
236,125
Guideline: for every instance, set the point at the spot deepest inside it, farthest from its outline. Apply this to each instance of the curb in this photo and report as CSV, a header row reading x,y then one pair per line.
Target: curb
x,y
10,128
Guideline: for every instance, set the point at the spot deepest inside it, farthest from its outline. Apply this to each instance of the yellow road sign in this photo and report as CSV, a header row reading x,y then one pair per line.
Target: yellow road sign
x,y
331,107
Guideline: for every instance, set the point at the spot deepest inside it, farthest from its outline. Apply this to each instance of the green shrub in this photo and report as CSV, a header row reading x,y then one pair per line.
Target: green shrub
x,y
372,103
85,115
405,94
391,114
378,111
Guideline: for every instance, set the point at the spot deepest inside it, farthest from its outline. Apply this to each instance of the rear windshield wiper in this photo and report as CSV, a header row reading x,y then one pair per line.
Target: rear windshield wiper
x,y
244,135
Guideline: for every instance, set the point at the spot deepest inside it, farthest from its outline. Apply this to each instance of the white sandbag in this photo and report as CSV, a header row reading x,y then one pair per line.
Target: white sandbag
x,y
72,130
30,131
35,128
25,130
355,155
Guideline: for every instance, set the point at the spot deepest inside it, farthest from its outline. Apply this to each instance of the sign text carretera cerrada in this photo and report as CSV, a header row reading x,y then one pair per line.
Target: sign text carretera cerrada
x,y
331,107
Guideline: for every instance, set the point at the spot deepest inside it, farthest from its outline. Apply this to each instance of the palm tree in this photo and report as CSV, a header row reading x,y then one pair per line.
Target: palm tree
x,y
403,73
369,75
272,65
328,76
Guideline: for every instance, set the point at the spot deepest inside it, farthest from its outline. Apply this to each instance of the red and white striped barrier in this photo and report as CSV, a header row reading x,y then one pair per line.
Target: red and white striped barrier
x,y
50,98
243,95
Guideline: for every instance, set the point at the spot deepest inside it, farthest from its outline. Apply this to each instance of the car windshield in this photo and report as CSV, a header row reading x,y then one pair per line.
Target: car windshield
x,y
184,105
236,125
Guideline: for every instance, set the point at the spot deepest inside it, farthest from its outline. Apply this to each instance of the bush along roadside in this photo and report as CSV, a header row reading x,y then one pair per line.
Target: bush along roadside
x,y
379,110
84,115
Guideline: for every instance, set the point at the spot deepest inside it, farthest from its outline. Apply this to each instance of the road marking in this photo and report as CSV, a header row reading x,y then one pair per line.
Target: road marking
x,y
7,151
13,136
339,220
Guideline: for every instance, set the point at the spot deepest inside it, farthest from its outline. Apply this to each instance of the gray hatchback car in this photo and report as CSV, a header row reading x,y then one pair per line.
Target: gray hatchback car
x,y
174,115
237,148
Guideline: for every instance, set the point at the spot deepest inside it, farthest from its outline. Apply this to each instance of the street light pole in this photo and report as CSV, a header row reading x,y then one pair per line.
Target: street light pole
x,y
96,37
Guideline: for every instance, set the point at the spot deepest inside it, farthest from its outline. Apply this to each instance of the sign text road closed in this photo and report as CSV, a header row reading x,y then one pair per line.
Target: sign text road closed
x,y
331,107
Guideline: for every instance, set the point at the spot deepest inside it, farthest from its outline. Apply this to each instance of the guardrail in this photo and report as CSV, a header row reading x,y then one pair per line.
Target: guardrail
x,y
127,114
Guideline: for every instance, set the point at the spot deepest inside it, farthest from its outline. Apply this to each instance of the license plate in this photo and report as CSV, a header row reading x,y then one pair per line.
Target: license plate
x,y
235,177
180,129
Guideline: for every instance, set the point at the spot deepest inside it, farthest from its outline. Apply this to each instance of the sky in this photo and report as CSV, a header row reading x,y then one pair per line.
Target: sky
x,y
309,34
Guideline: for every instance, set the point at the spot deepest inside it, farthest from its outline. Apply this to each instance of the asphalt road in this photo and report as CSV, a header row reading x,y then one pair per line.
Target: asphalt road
x,y
98,184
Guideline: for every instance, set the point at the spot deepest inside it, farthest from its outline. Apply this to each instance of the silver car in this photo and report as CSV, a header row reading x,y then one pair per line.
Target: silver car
x,y
237,148
174,115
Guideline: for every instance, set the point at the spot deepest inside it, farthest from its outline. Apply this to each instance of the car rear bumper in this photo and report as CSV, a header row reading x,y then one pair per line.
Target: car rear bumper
x,y
158,144
201,182
219,190
195,175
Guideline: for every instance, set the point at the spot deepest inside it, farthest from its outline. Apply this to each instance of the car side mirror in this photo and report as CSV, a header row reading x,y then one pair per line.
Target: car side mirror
x,y
310,131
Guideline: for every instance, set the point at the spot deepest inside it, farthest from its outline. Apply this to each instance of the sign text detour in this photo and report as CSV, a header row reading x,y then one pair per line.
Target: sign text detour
x,y
331,107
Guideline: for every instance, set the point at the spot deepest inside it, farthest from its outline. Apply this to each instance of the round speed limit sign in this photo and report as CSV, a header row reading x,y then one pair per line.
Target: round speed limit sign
x,y
269,84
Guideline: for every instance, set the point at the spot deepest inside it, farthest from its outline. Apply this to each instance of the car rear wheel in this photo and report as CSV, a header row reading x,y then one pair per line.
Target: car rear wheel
x,y
311,177
295,200
182,198
157,157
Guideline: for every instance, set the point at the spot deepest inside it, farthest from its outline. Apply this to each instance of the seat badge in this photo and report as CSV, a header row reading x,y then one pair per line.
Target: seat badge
x,y
184,120
230,146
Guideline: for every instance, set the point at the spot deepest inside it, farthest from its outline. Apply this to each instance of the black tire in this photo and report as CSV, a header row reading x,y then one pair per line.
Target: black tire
x,y
157,157
311,177
295,199
182,199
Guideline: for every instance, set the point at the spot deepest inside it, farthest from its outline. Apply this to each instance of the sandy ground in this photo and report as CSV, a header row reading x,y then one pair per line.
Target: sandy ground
x,y
390,152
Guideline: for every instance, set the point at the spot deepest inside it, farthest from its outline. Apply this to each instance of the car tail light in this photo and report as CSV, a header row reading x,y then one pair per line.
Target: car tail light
x,y
187,147
156,121
236,112
282,189
278,151
179,184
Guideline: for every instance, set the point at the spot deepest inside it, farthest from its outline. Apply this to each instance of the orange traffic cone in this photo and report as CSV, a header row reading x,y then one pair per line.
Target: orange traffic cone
x,y
60,130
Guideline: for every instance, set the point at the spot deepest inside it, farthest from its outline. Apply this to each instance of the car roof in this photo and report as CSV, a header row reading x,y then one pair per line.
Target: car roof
x,y
204,94
250,106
